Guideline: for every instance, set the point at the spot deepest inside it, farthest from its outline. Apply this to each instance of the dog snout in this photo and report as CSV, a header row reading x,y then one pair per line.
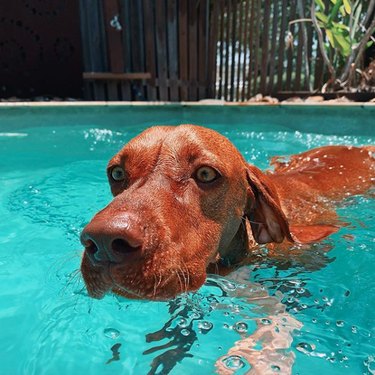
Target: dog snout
x,y
113,239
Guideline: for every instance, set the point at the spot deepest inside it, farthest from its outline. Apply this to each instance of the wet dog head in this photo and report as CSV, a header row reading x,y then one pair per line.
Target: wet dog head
x,y
181,198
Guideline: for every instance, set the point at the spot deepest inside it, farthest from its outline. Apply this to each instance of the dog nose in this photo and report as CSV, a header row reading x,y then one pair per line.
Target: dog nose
x,y
113,240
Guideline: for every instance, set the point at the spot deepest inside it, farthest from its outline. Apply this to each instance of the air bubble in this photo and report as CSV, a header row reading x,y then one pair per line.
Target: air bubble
x,y
340,323
305,348
266,321
233,362
241,327
185,332
204,325
354,329
183,323
111,333
275,368
194,315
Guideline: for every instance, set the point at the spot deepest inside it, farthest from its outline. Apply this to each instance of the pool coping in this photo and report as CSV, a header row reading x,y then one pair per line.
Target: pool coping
x,y
306,117
204,103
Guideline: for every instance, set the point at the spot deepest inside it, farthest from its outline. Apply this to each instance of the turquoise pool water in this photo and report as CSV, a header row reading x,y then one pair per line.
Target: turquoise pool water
x,y
52,180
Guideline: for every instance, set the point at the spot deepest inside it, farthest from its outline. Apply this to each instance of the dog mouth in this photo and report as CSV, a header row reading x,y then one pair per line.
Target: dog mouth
x,y
139,281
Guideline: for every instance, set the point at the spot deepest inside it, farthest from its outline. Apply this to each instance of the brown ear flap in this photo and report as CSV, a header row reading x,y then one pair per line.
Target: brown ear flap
x,y
268,222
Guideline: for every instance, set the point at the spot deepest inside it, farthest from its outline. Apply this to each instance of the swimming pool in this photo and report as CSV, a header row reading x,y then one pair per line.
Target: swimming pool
x,y
52,180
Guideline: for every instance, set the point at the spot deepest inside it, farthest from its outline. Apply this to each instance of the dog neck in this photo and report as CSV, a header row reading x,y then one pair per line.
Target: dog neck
x,y
238,249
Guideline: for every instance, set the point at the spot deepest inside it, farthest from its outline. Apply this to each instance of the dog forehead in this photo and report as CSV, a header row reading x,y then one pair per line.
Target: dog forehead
x,y
191,139
183,142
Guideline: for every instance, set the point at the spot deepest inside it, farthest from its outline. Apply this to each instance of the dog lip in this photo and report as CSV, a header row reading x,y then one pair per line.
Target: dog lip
x,y
155,294
100,286
97,293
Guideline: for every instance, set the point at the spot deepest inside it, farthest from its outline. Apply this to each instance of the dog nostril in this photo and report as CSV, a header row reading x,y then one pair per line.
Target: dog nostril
x,y
91,247
121,246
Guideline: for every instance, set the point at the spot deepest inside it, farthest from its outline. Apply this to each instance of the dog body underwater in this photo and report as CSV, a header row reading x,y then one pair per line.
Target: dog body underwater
x,y
186,203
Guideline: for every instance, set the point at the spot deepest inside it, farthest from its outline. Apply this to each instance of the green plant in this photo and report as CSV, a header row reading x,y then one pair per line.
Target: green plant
x,y
346,27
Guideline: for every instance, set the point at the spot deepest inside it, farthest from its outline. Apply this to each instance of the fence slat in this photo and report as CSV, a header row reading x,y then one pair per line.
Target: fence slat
x,y
275,19
221,53
227,44
240,45
114,44
149,32
290,67
125,86
172,49
281,53
256,48
299,61
309,82
245,50
95,34
212,48
193,52
161,48
183,48
264,39
233,37
251,51
202,50
137,47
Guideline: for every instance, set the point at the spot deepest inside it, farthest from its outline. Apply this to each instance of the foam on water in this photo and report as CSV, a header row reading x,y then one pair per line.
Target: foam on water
x,y
53,181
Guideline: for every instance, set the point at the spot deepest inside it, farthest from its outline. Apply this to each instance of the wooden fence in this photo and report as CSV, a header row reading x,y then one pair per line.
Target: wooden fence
x,y
149,49
194,49
261,49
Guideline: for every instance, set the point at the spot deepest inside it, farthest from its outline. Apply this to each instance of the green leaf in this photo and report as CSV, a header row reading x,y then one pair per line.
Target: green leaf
x,y
369,44
341,26
342,43
334,10
320,3
321,25
330,38
342,11
321,16
347,6
333,1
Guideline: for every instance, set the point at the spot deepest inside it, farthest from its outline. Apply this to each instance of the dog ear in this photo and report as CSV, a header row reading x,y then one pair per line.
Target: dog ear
x,y
268,221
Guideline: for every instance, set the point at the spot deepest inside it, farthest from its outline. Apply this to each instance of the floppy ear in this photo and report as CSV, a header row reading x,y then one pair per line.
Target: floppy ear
x,y
268,222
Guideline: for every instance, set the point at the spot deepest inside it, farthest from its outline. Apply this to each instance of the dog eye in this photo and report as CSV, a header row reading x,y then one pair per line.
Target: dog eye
x,y
206,174
118,173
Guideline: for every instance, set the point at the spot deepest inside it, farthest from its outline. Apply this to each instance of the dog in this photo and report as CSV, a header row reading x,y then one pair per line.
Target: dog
x,y
186,203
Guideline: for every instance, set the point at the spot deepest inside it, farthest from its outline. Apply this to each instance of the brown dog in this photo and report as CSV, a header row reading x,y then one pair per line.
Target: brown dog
x,y
186,202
